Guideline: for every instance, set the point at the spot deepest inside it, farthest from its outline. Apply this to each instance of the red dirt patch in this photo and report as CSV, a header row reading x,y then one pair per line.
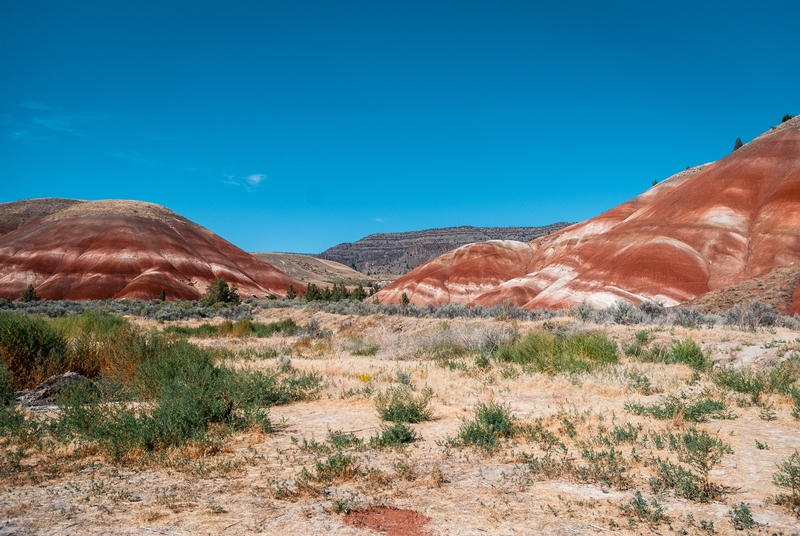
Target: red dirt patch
x,y
389,521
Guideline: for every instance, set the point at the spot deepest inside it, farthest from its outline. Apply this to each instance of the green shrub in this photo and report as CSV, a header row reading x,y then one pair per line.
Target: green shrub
x,y
551,354
395,435
786,118
702,452
649,512
187,399
6,386
336,468
400,404
31,349
339,439
788,476
492,421
607,467
741,517
682,481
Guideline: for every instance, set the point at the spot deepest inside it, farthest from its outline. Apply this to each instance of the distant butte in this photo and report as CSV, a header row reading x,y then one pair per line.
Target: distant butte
x,y
704,229
398,253
81,250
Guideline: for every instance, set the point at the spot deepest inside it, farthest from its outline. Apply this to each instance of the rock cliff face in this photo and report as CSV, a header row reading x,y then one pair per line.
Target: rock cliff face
x,y
703,229
82,250
397,253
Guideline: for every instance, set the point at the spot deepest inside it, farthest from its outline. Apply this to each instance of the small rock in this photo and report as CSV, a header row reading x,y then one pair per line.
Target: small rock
x,y
45,393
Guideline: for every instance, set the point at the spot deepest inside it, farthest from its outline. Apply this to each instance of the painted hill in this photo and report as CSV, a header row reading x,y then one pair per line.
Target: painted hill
x,y
397,253
701,230
82,250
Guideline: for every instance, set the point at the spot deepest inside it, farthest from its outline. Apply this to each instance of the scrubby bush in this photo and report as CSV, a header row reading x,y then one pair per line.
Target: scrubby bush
x,y
395,435
492,422
788,476
401,404
31,348
754,315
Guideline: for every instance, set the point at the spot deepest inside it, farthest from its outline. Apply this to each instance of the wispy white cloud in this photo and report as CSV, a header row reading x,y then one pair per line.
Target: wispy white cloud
x,y
379,220
33,105
57,124
249,183
255,179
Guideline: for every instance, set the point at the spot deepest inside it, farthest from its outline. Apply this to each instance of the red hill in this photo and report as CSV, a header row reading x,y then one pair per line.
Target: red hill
x,y
82,250
701,230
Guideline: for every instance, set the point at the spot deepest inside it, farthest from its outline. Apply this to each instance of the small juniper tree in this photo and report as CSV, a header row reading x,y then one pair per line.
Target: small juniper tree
x,y
218,291
786,118
358,293
29,294
404,301
163,295
291,294
738,144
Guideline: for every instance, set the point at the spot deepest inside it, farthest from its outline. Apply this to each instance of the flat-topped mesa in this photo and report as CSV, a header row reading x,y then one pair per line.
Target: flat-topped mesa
x,y
703,229
121,250
397,253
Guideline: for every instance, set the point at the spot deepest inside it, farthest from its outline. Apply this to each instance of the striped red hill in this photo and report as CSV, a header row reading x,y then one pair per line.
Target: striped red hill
x,y
81,250
701,230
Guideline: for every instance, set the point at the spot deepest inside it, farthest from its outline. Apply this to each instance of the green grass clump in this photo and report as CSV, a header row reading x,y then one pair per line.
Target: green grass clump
x,y
559,354
673,407
401,404
492,421
685,351
242,328
757,383
395,435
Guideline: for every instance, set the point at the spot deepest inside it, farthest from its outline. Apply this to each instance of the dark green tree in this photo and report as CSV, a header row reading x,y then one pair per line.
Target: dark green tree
x,y
29,294
404,301
358,293
291,294
738,144
163,295
313,293
339,292
786,118
218,291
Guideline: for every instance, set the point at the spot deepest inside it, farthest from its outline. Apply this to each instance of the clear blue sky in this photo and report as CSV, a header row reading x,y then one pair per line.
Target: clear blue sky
x,y
294,125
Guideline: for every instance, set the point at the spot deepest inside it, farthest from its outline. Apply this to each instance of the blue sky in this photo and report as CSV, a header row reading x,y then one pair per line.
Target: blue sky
x,y
294,126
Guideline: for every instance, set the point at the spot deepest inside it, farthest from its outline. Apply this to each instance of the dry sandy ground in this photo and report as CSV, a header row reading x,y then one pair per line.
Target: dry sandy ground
x,y
251,487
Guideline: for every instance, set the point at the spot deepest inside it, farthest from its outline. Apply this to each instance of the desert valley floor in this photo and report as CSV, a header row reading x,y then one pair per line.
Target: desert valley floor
x,y
574,462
